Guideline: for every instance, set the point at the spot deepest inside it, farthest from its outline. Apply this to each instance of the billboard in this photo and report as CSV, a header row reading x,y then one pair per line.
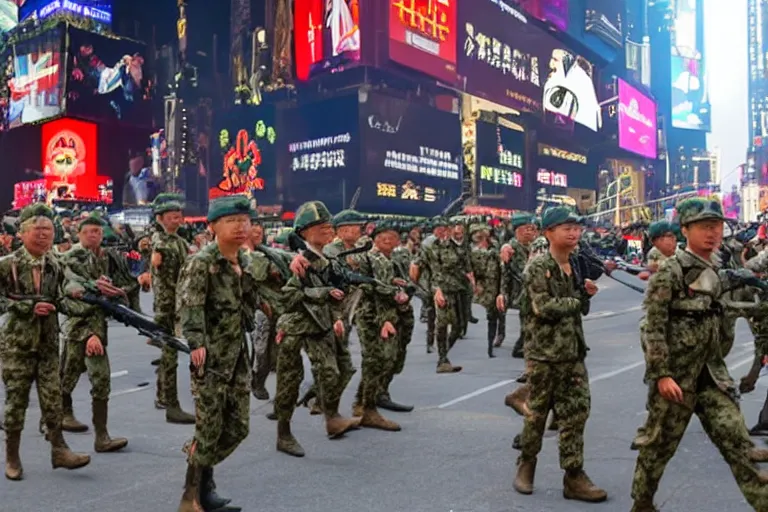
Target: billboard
x,y
552,11
508,60
96,10
36,86
9,15
565,165
603,18
406,169
326,36
107,79
69,162
247,139
500,166
637,121
690,98
422,36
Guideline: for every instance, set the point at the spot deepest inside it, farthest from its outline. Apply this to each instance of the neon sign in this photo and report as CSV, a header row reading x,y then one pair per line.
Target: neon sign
x,y
501,176
551,151
103,14
430,20
408,191
546,177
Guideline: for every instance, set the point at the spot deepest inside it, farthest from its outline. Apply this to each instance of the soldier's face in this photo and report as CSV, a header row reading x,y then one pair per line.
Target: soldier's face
x,y
415,235
171,221
526,234
38,237
91,236
458,232
319,235
349,234
232,229
705,235
564,236
387,241
666,244
257,234
441,232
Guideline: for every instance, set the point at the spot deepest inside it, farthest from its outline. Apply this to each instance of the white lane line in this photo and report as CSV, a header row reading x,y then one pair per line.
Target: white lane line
x,y
121,373
129,391
476,393
614,373
741,363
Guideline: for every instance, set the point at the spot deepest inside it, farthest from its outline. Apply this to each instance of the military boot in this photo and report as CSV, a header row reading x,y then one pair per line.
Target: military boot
x,y
385,401
209,498
372,419
357,410
644,506
526,471
61,455
176,415
335,424
103,443
13,468
286,443
518,400
517,350
69,423
447,367
578,486
190,500
258,387
492,325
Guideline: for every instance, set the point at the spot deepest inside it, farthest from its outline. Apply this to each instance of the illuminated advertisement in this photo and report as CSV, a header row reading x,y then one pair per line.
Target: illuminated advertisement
x,y
37,81
96,10
604,19
637,121
28,192
507,60
9,15
500,166
422,36
406,169
107,79
552,11
565,166
247,139
69,162
326,35
690,98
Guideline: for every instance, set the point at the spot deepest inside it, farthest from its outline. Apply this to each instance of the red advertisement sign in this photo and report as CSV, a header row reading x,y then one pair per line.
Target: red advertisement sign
x,y
422,36
326,36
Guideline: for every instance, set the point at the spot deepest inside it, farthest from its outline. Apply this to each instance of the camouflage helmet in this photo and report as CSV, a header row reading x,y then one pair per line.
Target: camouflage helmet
x,y
697,209
311,214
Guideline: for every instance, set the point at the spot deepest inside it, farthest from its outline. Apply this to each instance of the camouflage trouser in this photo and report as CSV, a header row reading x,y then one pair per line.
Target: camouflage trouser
x,y
379,357
167,371
263,343
445,318
464,310
332,368
564,388
405,332
722,421
76,363
290,374
222,414
431,317
345,343
20,370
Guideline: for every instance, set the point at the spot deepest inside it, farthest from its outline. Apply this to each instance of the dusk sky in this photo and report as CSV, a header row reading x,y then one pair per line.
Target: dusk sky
x,y
726,37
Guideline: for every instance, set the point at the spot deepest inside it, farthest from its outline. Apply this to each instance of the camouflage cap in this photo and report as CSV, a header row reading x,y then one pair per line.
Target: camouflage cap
x,y
697,209
384,226
167,202
311,214
35,210
228,205
477,228
522,219
439,222
348,218
660,228
65,214
456,220
557,216
94,219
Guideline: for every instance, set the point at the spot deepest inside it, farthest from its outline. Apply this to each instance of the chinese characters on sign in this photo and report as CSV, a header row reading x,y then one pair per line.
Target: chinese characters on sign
x,y
430,20
408,191
546,177
320,160
511,159
553,152
522,66
432,162
501,176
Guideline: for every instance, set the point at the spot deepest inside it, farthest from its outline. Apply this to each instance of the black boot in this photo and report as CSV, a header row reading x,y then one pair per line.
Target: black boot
x,y
493,323
761,429
209,499
517,351
384,401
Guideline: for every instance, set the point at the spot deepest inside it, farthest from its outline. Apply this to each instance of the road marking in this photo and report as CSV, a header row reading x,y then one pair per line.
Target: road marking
x,y
129,391
741,363
121,373
607,314
614,373
476,393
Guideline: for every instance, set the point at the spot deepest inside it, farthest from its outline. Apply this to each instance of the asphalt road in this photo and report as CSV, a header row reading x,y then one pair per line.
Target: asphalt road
x,y
453,454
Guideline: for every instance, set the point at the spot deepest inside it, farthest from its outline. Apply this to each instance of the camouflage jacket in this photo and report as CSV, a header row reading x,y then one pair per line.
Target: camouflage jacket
x,y
539,246
173,249
334,248
269,278
377,304
512,273
683,327
448,265
216,307
23,332
487,268
655,256
556,302
759,263
308,307
404,255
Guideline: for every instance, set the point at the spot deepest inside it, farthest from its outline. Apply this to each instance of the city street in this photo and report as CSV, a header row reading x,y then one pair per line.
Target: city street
x,y
453,454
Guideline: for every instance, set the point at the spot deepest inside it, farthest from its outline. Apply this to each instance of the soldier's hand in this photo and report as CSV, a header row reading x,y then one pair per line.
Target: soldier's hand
x,y
644,275
669,390
338,328
440,299
610,266
43,309
157,259
388,330
399,282
267,309
93,347
477,289
501,303
198,357
401,297
337,294
413,272
506,253
77,293
590,287
279,337
145,280
299,265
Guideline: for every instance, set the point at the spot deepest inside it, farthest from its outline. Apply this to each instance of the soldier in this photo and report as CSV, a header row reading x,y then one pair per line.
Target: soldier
x,y
384,324
349,229
555,349
664,240
86,334
685,370
30,283
312,321
421,277
169,252
487,268
458,231
216,302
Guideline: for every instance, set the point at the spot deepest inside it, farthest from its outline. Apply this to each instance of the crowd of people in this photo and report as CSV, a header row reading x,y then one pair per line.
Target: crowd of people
x,y
246,308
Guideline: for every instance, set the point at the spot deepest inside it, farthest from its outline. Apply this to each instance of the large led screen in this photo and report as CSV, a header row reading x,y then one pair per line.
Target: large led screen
x,y
508,60
422,36
690,99
326,35
108,79
637,121
97,10
552,11
500,166
409,170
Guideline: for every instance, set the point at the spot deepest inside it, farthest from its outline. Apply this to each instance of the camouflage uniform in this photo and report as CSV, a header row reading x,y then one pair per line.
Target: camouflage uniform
x,y
487,268
428,303
512,287
682,337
